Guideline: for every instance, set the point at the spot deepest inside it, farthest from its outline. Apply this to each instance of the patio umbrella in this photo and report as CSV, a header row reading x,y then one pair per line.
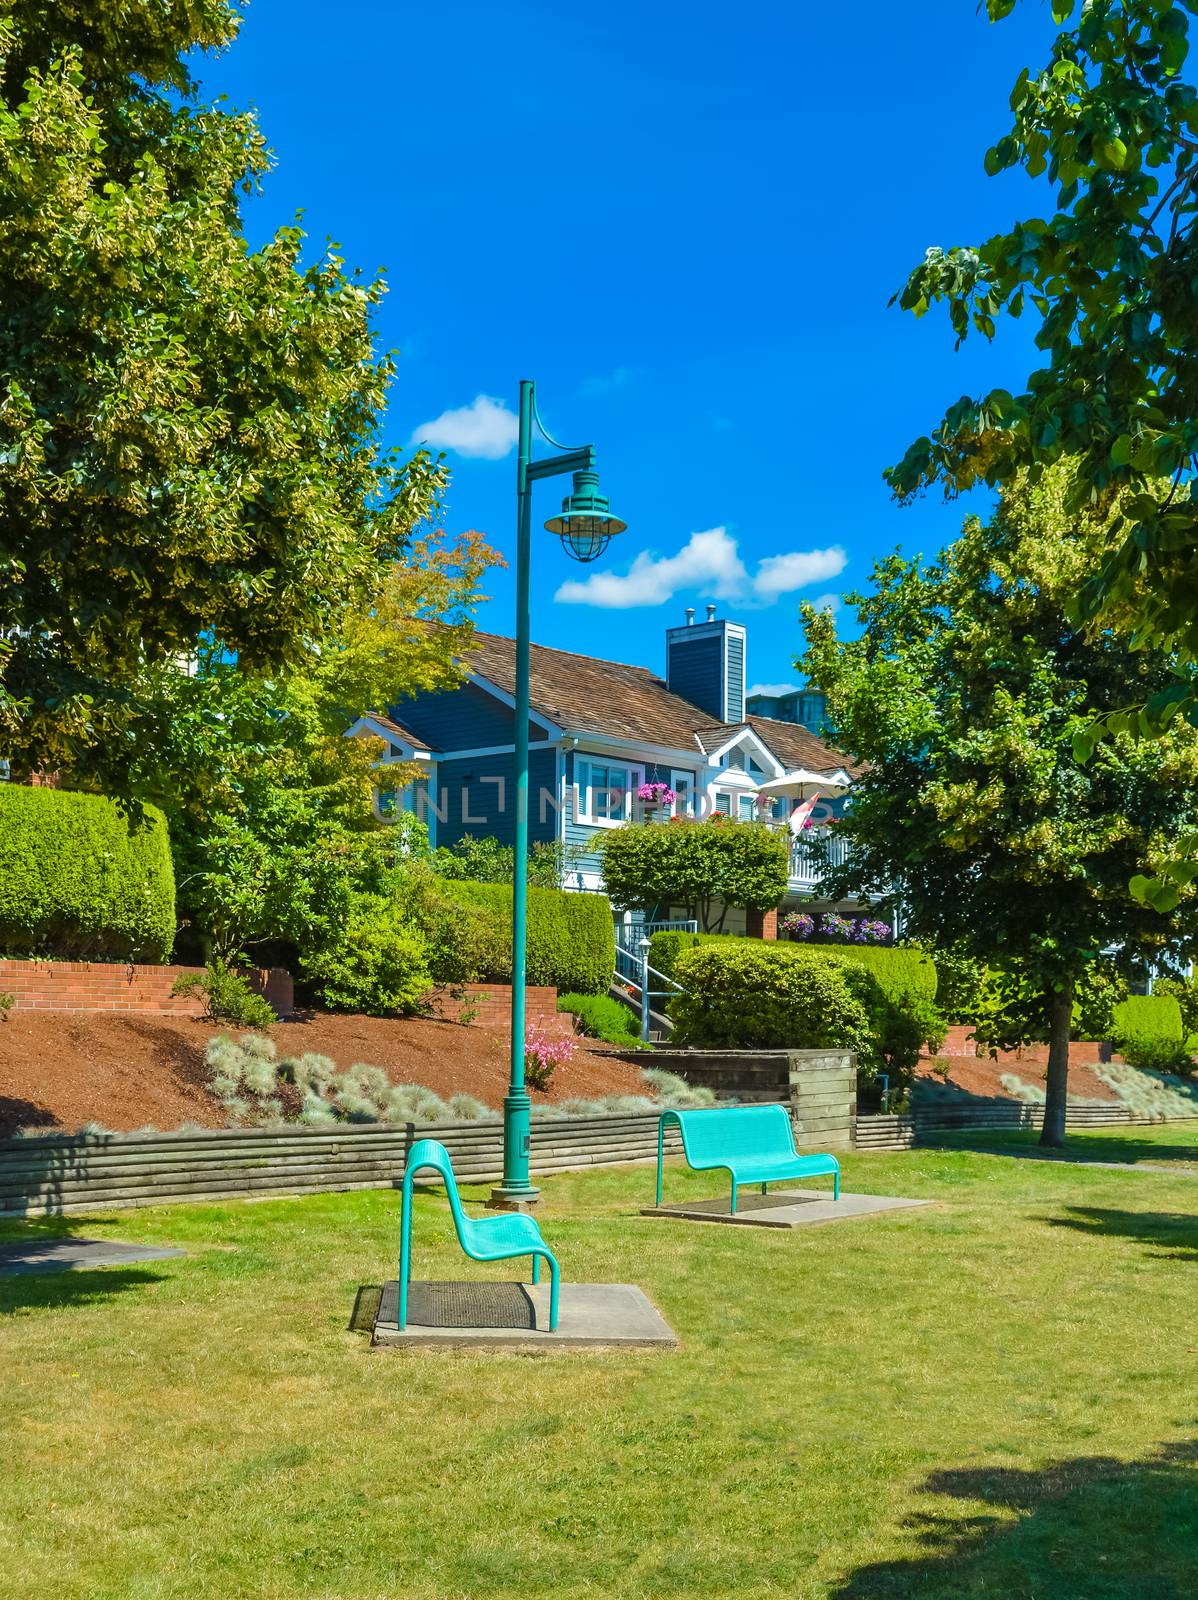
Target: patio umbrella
x,y
802,784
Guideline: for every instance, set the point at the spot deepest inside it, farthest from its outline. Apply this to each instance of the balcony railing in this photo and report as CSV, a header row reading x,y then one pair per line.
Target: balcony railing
x,y
812,854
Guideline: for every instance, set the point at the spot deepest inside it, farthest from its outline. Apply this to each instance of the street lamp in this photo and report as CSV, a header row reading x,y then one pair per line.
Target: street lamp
x,y
585,527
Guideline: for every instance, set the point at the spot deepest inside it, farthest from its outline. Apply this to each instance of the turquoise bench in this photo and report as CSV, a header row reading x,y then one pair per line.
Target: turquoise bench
x,y
497,1238
753,1144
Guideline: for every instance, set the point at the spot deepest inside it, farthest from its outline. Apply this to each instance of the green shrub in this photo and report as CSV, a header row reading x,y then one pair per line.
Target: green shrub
x,y
1148,1032
1185,992
227,996
601,1017
900,969
78,880
748,994
960,980
571,938
379,965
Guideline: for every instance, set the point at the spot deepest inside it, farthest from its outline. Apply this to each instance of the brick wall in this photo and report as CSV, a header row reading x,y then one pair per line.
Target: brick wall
x,y
492,1003
106,986
959,1041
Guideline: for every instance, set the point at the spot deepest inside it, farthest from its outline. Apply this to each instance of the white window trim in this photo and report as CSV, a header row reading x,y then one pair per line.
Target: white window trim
x,y
583,800
693,787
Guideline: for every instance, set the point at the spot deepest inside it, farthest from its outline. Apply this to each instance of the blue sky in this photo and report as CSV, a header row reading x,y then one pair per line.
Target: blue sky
x,y
685,222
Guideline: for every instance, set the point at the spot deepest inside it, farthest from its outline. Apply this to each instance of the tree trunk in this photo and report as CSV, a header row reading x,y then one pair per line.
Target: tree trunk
x,y
1060,1016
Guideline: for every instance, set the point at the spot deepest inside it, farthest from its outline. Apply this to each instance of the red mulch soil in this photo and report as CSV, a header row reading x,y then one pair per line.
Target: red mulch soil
x,y
981,1075
60,1070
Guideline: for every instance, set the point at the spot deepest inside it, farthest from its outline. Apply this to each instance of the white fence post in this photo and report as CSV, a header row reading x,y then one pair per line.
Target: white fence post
x,y
644,949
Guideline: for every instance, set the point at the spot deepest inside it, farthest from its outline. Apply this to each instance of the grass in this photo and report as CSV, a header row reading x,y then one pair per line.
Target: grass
x,y
989,1397
1171,1143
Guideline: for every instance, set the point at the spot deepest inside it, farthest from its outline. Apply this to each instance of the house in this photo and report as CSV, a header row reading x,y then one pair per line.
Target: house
x,y
598,731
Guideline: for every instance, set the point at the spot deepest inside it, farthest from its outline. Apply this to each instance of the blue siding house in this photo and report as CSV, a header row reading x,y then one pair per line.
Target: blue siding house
x,y
598,731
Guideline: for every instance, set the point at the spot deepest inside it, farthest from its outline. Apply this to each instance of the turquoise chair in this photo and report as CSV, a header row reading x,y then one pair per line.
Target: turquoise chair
x,y
495,1238
752,1144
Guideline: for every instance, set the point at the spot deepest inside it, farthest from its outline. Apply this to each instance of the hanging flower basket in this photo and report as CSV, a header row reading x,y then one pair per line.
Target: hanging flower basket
x,y
655,797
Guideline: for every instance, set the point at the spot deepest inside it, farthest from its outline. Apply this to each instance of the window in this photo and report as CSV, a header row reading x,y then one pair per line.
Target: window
x,y
723,802
604,791
683,785
748,807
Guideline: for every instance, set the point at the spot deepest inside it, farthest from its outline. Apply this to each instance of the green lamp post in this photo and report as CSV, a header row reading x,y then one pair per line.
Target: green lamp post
x,y
585,527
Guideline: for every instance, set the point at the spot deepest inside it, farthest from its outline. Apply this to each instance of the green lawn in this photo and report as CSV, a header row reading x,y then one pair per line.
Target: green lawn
x,y
991,1399
1174,1143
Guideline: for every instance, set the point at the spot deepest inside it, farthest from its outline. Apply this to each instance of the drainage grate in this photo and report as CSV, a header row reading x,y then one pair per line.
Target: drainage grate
x,y
461,1305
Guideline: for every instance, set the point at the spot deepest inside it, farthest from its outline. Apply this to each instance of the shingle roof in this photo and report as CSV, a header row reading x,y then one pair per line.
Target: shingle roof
x,y
590,695
389,725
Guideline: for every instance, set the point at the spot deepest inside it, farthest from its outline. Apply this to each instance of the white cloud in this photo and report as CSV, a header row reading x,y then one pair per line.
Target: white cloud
x,y
710,564
828,602
774,688
707,561
484,428
781,574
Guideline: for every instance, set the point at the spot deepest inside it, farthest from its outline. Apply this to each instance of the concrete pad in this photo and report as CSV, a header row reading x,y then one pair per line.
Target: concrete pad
x,y
591,1316
64,1255
795,1208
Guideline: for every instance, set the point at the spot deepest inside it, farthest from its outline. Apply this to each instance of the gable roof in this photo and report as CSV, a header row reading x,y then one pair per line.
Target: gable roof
x,y
388,725
586,694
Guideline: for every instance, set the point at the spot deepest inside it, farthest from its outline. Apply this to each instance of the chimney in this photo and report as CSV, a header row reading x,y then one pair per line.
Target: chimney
x,y
705,664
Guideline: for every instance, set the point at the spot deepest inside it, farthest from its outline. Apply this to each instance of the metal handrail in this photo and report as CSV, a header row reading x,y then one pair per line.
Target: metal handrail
x,y
646,993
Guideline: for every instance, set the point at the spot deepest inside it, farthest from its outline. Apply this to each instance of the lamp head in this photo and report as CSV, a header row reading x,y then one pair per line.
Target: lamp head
x,y
586,527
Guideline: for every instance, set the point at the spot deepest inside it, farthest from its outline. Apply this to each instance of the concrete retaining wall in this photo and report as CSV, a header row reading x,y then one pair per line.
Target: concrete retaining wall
x,y
820,1086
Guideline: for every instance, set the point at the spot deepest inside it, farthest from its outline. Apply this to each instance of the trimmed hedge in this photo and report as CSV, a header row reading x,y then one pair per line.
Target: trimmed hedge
x,y
751,994
1148,1032
80,881
571,937
899,969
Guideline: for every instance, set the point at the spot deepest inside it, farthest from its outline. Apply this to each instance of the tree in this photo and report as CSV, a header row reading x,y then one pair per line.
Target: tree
x,y
960,700
189,429
704,866
1112,126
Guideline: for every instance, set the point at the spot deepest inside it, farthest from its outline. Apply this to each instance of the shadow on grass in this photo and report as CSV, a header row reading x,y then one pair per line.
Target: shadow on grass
x,y
1176,1232
1088,1529
1079,1148
60,1291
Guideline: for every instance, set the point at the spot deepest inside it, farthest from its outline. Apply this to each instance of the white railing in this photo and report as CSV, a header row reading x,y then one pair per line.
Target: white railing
x,y
812,854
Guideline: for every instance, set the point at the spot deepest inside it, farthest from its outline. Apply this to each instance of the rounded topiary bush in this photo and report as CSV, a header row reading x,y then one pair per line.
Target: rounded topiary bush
x,y
751,995
80,880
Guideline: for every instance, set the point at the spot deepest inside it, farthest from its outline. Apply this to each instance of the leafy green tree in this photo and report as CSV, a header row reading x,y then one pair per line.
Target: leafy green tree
x,y
189,428
703,866
1111,126
960,699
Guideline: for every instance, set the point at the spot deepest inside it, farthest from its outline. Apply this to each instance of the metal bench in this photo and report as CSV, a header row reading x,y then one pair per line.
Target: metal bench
x,y
482,1239
753,1144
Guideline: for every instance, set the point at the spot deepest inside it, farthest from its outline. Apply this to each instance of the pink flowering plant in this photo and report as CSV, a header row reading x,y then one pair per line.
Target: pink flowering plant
x,y
797,924
656,794
543,1053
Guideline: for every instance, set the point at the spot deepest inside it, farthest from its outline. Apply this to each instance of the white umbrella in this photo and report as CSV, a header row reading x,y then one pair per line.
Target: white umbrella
x,y
801,784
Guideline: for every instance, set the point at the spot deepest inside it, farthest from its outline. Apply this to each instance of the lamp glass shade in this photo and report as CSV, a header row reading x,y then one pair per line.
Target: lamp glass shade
x,y
586,527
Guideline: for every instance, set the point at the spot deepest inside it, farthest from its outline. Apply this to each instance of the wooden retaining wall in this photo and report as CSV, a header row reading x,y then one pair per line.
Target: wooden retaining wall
x,y
903,1132
47,1176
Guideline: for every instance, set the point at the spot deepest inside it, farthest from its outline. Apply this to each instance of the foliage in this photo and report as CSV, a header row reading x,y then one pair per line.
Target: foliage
x,y
673,1091
7,1001
1185,992
190,441
570,942
378,965
227,996
960,979
747,994
959,700
704,866
600,1017
488,861
1148,1032
79,880
1110,124
544,1052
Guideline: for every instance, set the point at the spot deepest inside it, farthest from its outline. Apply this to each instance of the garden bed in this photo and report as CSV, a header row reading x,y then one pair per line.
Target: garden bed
x,y
64,1070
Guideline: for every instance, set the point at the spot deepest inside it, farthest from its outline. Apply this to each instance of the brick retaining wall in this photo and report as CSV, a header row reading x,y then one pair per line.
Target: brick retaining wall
x,y
122,987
